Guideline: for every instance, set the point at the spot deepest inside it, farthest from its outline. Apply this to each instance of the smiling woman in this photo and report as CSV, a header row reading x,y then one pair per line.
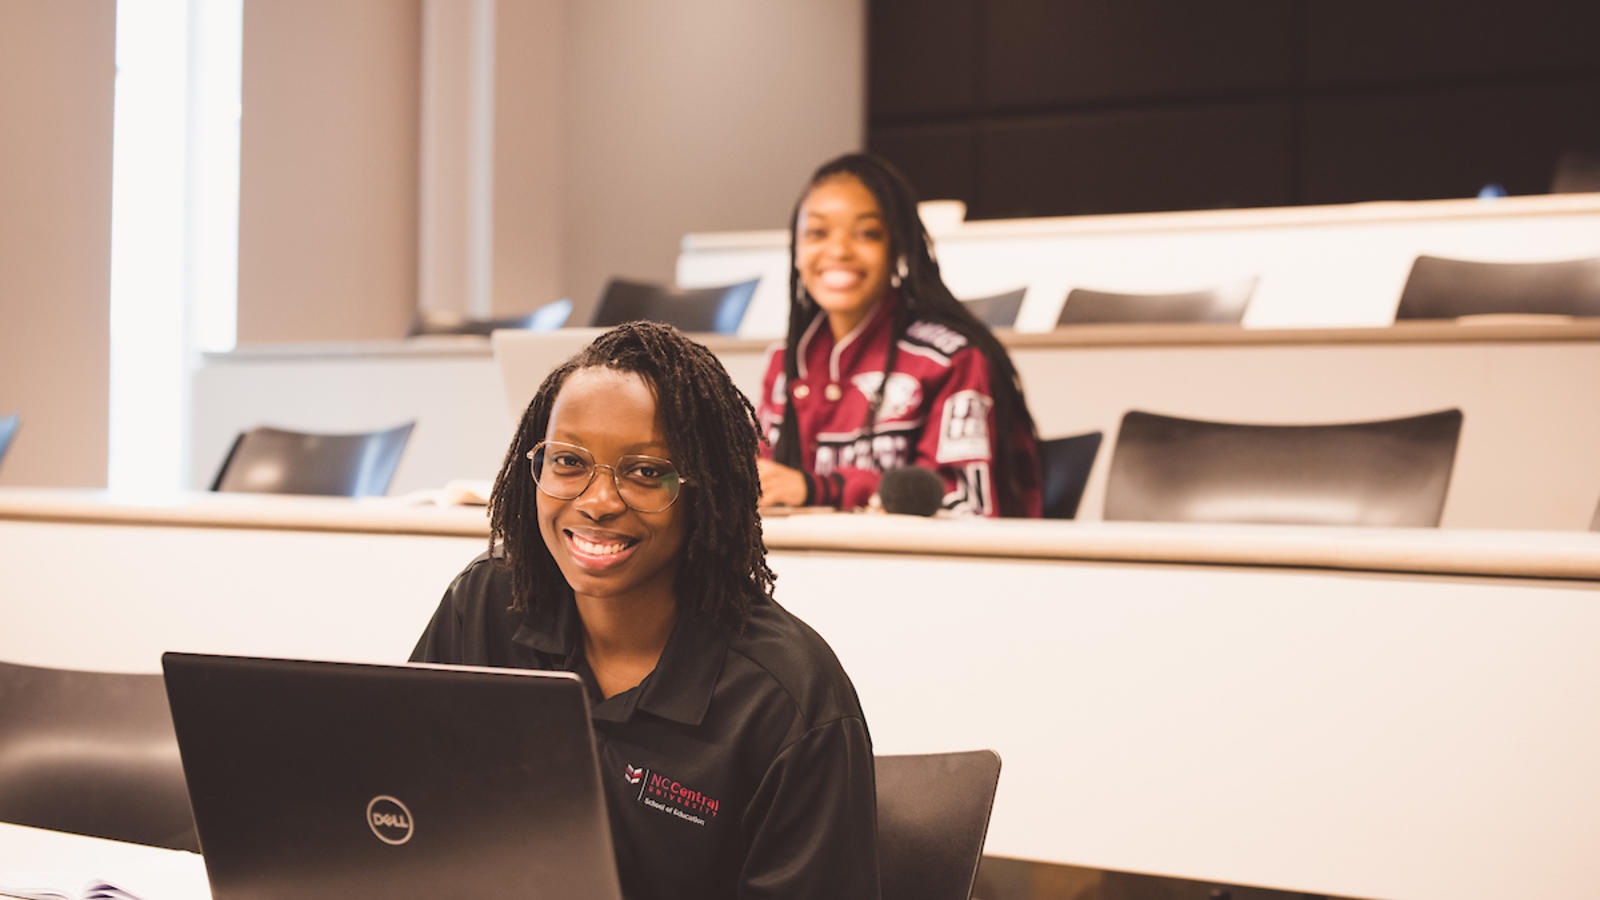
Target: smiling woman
x,y
902,375
626,548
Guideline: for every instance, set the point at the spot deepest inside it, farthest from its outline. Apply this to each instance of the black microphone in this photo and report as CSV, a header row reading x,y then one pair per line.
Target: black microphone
x,y
912,491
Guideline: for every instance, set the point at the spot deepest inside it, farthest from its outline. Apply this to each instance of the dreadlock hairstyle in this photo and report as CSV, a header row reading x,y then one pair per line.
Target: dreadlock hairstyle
x,y
711,430
923,295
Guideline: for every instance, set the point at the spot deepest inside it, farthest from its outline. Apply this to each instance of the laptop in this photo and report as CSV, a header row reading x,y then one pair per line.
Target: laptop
x,y
321,779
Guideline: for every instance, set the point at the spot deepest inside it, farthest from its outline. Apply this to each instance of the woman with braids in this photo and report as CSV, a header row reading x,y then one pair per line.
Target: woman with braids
x,y
883,367
626,547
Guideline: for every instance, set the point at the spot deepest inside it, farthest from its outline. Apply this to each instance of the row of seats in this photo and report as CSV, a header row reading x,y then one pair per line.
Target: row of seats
x,y
1386,473
1435,288
114,772
711,310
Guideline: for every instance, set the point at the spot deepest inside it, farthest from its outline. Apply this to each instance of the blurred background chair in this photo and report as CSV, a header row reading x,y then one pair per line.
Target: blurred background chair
x,y
548,317
1224,304
1064,465
8,430
1440,288
933,816
268,460
709,310
1576,172
997,310
1387,473
91,753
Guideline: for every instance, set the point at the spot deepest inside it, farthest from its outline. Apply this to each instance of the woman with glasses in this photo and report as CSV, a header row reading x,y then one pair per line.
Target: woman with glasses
x,y
626,547
883,367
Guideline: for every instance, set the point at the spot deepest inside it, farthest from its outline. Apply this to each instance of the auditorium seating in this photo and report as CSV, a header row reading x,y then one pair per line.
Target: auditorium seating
x,y
1065,464
1223,304
997,310
267,460
933,815
714,310
91,753
1440,288
548,317
1386,473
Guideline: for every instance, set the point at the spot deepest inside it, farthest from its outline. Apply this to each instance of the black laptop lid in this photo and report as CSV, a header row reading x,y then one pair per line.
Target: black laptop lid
x,y
317,779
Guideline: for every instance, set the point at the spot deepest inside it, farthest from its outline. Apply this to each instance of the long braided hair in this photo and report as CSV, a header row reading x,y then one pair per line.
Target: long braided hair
x,y
924,296
711,430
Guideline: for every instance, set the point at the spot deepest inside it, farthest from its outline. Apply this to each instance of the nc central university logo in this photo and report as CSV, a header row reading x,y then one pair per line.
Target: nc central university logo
x,y
665,794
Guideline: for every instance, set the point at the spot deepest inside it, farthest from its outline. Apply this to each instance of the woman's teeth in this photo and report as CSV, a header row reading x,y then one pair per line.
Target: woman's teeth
x,y
839,279
595,548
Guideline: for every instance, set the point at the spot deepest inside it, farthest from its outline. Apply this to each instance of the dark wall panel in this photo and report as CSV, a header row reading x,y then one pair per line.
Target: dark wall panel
x,y
1063,51
939,160
1363,42
921,56
1052,107
1194,158
1444,144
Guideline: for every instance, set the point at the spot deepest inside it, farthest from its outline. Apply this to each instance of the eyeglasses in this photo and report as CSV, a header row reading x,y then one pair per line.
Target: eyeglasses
x,y
646,484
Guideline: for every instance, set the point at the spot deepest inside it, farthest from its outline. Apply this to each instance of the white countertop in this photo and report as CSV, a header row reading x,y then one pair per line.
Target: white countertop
x,y
1533,554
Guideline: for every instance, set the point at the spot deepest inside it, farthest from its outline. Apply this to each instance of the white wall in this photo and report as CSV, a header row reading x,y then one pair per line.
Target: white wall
x,y
56,79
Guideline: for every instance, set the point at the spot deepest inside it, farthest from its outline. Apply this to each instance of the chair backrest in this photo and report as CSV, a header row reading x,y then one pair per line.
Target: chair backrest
x,y
998,310
1224,304
1389,473
548,317
269,460
1576,172
1065,464
713,310
91,753
8,429
933,815
1440,288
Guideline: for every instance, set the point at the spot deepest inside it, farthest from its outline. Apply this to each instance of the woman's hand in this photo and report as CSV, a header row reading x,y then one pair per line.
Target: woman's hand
x,y
780,485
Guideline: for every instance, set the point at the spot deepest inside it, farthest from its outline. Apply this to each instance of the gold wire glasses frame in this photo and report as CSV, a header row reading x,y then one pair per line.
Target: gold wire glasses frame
x,y
646,484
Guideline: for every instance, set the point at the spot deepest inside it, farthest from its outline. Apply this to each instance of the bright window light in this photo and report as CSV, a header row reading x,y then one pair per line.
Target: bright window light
x,y
174,224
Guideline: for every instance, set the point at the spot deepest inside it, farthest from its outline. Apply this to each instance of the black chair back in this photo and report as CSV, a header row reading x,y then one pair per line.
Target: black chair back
x,y
1440,288
8,429
269,460
933,815
997,310
1065,464
710,310
1386,473
1224,305
548,317
92,753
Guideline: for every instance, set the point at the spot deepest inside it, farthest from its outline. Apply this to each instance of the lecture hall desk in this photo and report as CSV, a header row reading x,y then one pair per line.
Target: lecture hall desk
x,y
1371,713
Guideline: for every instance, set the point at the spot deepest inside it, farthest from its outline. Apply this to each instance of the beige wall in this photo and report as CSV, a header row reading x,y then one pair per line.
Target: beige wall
x,y
619,127
530,88
698,115
56,78
328,169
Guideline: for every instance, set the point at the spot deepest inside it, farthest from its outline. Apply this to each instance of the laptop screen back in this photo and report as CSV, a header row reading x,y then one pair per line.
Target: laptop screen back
x,y
313,779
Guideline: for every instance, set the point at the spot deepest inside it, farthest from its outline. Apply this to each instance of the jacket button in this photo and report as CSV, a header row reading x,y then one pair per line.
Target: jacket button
x,y
801,392
832,392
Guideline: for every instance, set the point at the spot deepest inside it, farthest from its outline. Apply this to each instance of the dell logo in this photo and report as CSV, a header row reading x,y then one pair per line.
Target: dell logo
x,y
389,819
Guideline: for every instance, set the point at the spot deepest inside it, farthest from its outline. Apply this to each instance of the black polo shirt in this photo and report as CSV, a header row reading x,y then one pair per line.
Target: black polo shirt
x,y
740,767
